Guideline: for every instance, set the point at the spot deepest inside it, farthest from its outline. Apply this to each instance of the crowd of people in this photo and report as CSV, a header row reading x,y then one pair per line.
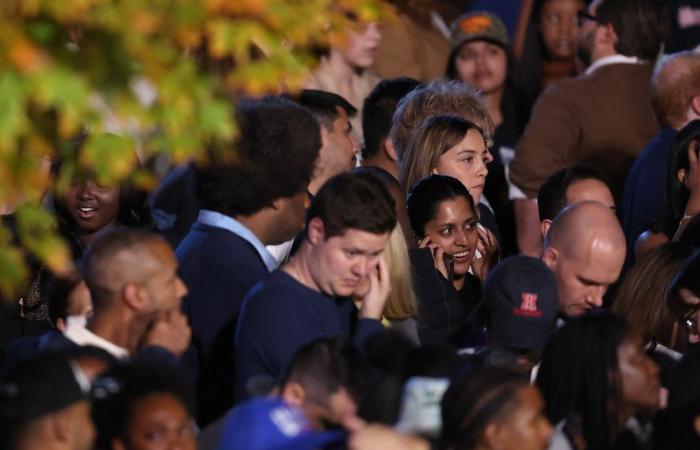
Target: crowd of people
x,y
501,254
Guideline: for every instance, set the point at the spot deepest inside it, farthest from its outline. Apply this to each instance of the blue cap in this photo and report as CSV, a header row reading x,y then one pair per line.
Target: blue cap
x,y
271,424
521,293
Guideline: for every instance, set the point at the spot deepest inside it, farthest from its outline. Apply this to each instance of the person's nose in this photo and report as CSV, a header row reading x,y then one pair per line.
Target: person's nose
x,y
482,170
461,238
374,31
362,267
595,296
87,190
181,289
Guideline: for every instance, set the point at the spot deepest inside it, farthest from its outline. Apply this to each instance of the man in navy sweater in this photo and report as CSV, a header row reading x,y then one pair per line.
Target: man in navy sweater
x,y
254,200
347,228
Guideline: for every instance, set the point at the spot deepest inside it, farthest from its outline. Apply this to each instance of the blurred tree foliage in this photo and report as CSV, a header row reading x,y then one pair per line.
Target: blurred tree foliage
x,y
157,76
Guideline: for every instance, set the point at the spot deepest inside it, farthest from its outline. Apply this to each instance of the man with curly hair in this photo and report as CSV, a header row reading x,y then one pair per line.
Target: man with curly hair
x,y
257,199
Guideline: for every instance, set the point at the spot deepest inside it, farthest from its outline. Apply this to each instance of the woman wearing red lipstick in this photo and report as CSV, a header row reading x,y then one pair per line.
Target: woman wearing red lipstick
x,y
444,222
453,146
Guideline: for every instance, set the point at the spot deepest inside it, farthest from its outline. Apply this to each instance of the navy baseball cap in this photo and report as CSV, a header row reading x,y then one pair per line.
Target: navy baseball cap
x,y
271,424
521,293
40,386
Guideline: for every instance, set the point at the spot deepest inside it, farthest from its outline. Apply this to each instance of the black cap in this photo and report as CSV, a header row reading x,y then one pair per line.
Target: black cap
x,y
37,387
521,293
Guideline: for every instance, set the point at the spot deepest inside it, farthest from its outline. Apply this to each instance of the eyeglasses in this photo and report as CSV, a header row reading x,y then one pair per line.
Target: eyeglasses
x,y
689,320
583,17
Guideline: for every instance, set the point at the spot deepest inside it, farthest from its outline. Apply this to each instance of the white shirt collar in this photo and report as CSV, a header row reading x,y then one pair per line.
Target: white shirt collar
x,y
83,336
216,219
614,59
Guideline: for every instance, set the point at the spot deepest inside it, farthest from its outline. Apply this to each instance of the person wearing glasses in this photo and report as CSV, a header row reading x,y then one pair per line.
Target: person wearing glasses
x,y
602,117
683,300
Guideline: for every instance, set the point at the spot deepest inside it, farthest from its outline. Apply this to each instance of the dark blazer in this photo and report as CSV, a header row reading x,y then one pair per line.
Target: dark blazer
x,y
219,268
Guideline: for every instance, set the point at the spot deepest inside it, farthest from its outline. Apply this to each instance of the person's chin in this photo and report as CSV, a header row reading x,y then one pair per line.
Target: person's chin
x,y
577,311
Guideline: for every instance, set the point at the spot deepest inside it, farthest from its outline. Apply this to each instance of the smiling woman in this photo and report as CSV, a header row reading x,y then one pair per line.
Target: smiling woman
x,y
84,209
444,220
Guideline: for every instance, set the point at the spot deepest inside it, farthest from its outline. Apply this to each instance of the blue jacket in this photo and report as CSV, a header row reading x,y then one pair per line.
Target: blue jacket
x,y
281,315
218,267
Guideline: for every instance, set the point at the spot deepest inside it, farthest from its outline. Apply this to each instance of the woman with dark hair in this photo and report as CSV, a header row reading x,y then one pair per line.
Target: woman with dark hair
x,y
86,208
444,221
683,300
453,146
143,406
683,184
550,54
494,408
641,298
481,56
82,210
596,378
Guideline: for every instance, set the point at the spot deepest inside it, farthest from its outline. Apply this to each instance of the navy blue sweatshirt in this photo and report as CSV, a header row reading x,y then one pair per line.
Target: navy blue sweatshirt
x,y
281,315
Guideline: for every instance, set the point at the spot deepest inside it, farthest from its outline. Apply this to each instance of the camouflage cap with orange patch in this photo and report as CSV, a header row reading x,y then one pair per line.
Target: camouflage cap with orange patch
x,y
478,25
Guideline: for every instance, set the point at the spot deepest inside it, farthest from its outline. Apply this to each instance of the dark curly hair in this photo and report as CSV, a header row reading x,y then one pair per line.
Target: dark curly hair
x,y
276,151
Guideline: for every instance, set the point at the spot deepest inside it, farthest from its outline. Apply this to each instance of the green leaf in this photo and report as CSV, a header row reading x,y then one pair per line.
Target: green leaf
x,y
111,157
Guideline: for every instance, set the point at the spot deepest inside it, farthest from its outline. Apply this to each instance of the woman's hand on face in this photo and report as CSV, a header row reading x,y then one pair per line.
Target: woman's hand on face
x,y
438,255
488,251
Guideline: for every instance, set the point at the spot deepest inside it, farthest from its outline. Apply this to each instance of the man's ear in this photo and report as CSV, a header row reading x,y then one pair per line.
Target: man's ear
x,y
544,227
695,107
293,393
550,257
390,150
491,436
316,232
681,175
134,297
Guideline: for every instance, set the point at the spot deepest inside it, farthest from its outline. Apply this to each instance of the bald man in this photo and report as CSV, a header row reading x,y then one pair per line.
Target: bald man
x,y
585,248
136,295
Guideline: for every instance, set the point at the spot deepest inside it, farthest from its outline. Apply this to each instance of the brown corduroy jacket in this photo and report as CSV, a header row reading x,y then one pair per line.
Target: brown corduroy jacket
x,y
603,119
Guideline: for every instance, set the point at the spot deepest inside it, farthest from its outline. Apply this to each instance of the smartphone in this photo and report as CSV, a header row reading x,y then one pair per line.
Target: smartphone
x,y
450,265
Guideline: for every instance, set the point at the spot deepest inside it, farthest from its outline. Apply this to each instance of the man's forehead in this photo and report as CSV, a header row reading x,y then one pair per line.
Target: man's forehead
x,y
361,240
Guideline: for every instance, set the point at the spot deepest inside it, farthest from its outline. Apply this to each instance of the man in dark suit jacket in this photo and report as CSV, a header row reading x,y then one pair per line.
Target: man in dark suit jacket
x,y
257,199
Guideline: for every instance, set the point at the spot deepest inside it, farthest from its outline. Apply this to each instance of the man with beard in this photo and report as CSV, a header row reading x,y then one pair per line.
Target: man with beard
x,y
602,118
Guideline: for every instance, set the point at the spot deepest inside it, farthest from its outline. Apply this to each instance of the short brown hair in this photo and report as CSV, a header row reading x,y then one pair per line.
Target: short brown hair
x,y
437,97
674,84
356,200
